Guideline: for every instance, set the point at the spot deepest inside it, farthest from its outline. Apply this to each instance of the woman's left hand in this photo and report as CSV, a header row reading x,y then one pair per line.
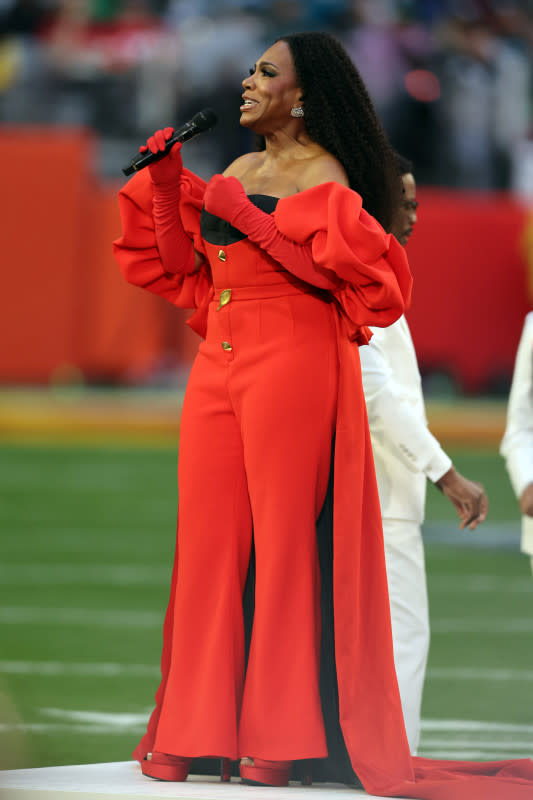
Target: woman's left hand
x,y
225,197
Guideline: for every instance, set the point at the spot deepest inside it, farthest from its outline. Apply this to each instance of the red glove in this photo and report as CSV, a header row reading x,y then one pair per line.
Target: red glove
x,y
226,198
168,170
175,248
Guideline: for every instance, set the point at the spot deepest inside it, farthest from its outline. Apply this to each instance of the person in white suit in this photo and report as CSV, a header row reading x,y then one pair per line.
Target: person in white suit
x,y
517,443
406,455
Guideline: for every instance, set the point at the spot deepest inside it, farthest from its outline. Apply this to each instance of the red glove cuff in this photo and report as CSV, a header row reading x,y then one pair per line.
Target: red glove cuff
x,y
175,248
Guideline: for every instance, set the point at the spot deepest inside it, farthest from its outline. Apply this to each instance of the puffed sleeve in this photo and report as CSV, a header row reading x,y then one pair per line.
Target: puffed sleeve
x,y
137,254
375,286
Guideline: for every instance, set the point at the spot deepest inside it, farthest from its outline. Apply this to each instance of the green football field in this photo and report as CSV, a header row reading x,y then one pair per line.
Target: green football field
x,y
87,545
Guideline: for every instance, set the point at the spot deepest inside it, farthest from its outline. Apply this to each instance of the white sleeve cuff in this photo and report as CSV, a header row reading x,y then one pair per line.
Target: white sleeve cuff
x,y
520,468
438,466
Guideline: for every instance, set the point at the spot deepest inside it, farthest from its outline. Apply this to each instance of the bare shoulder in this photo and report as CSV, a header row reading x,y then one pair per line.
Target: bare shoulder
x,y
322,169
243,164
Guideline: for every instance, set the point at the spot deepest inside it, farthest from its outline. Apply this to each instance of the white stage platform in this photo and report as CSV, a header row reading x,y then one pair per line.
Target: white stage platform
x,y
123,780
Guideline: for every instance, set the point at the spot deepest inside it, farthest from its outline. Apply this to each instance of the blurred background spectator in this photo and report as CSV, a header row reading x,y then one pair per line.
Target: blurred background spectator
x,y
451,81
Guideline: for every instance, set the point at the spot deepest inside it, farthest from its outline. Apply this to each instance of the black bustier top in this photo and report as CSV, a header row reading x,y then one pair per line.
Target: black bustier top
x,y
217,231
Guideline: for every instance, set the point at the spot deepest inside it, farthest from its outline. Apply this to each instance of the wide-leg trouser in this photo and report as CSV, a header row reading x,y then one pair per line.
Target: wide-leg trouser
x,y
406,578
255,448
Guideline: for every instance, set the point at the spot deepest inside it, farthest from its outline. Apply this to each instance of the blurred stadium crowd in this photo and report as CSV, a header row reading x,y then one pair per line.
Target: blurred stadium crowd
x,y
451,79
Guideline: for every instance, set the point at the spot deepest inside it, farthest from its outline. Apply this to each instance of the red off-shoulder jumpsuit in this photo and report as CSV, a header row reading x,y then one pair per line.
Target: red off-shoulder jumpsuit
x,y
262,392
277,378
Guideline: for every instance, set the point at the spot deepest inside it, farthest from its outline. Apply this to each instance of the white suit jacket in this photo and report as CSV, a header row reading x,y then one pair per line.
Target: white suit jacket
x,y
405,452
517,443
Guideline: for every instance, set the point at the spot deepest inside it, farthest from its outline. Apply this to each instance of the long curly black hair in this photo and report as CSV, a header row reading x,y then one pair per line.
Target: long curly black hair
x,y
339,116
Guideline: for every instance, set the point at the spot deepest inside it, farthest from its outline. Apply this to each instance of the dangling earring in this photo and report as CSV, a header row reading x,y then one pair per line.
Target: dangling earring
x,y
297,111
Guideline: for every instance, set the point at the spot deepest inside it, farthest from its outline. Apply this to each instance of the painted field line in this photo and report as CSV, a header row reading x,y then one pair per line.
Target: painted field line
x,y
111,718
86,669
108,618
20,615
479,674
83,722
493,744
106,482
471,754
430,727
475,726
480,584
119,670
496,746
128,720
100,528
54,574
483,625
496,753
89,543
467,753
502,535
71,729
131,574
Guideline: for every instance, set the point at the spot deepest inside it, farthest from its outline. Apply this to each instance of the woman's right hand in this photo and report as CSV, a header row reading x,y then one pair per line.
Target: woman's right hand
x,y
168,169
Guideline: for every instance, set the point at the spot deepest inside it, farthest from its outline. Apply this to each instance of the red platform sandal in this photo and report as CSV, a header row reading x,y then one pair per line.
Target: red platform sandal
x,y
164,767
265,773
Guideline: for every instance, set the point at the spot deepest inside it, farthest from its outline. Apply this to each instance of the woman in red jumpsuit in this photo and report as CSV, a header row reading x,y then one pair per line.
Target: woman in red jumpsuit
x,y
285,269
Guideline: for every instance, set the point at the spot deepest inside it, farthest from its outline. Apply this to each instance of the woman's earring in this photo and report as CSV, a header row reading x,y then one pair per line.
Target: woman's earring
x,y
297,111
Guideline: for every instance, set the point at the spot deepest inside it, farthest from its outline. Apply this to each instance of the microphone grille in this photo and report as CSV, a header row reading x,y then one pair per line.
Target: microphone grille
x,y
204,119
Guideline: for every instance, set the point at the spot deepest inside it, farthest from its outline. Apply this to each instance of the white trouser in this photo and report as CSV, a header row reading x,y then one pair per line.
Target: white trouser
x,y
406,575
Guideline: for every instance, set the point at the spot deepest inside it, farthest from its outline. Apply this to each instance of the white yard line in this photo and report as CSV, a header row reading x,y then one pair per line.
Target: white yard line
x,y
475,726
493,744
481,674
504,535
87,669
484,625
83,722
21,615
474,755
111,718
115,669
132,574
480,584
453,739
54,574
71,729
45,533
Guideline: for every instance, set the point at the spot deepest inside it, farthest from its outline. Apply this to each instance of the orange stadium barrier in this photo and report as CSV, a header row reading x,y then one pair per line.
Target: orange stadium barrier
x,y
67,314
472,260
66,311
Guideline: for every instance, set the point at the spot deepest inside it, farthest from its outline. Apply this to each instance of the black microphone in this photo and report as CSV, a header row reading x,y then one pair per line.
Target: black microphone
x,y
201,122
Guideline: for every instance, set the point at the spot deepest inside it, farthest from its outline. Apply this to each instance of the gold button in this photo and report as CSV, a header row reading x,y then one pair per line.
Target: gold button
x,y
222,255
226,346
225,297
